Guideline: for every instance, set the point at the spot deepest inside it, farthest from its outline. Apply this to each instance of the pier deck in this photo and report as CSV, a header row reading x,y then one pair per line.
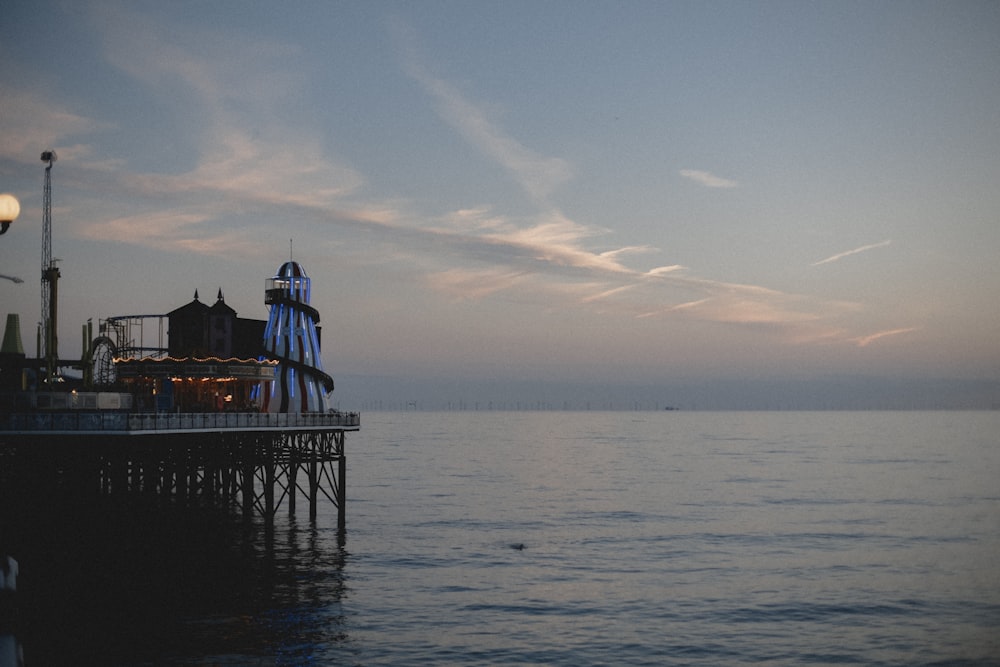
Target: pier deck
x,y
121,423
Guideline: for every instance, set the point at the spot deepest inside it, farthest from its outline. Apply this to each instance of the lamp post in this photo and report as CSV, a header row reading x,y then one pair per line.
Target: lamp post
x,y
9,210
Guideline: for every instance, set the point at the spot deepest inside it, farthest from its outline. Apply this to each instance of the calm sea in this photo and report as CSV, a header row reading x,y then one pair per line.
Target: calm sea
x,y
573,538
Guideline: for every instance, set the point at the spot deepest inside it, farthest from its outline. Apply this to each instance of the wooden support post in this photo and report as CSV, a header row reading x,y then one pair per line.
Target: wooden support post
x,y
228,473
135,472
117,472
178,469
313,482
342,490
151,474
230,482
209,460
293,468
269,463
247,452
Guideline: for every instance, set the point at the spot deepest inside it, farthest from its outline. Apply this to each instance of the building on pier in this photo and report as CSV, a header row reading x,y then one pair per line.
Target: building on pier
x,y
229,408
213,361
199,330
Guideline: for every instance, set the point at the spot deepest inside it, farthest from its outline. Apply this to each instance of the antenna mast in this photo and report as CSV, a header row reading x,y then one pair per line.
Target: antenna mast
x,y
50,277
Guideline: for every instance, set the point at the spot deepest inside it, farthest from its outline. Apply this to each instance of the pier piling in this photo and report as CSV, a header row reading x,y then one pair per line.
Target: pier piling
x,y
255,467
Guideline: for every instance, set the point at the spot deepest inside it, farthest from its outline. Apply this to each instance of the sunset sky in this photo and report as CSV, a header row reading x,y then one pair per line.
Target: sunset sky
x,y
583,192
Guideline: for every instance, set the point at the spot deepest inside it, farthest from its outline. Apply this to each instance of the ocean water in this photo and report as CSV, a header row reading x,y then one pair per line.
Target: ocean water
x,y
579,538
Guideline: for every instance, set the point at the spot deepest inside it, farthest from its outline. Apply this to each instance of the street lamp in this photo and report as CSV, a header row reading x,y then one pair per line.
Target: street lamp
x,y
9,210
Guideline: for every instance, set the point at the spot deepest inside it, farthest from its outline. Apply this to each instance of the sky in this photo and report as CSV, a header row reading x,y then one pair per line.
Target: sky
x,y
664,195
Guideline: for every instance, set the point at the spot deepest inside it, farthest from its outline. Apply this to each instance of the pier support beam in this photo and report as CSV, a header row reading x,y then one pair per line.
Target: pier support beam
x,y
252,471
293,470
342,489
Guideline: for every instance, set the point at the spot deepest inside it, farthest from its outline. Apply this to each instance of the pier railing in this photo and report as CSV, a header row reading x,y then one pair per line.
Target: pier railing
x,y
122,422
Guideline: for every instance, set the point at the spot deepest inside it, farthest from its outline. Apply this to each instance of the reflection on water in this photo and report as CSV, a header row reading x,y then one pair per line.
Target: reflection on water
x,y
145,583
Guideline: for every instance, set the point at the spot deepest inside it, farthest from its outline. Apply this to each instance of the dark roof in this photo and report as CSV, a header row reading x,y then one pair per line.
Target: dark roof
x,y
221,307
194,307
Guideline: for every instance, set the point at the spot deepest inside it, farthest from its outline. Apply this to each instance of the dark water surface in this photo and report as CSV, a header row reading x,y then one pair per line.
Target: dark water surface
x,y
648,538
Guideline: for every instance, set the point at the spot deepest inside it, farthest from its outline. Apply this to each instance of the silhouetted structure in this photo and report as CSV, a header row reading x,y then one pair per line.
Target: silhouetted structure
x,y
199,330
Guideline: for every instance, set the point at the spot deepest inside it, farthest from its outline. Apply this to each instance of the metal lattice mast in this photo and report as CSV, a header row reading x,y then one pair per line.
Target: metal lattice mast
x,y
50,275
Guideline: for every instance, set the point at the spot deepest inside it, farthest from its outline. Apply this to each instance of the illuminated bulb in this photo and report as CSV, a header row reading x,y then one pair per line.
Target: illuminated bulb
x,y
10,208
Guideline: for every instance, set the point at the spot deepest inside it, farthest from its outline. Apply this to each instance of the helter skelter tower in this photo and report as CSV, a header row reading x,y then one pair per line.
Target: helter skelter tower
x,y
291,339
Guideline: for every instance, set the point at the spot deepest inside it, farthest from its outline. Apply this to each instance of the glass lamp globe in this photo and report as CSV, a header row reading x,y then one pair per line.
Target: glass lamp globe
x,y
9,210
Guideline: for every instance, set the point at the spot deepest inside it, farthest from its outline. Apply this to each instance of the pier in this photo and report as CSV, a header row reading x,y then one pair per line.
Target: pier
x,y
224,411
257,462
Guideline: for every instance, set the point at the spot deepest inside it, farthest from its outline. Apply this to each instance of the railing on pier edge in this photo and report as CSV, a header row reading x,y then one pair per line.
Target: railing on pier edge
x,y
137,423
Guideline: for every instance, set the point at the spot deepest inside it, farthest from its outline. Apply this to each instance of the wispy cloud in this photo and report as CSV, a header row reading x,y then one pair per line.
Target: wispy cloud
x,y
735,303
841,255
660,270
708,179
475,284
549,259
30,123
607,293
237,94
865,341
556,239
255,165
176,230
537,174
